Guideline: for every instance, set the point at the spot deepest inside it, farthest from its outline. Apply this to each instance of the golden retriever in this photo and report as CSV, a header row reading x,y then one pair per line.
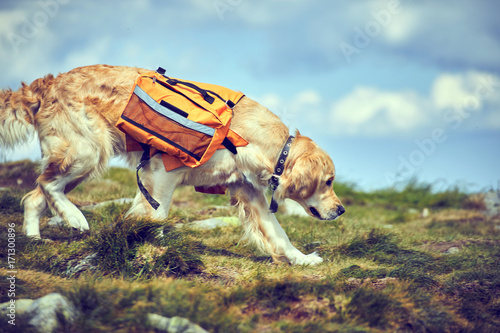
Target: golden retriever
x,y
75,114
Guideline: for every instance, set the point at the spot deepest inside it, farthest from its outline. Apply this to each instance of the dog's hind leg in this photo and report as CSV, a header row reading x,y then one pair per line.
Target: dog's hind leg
x,y
35,203
66,164
34,206
161,185
263,229
54,191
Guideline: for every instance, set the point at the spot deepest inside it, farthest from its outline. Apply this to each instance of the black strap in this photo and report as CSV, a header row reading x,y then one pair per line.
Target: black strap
x,y
144,160
274,181
229,145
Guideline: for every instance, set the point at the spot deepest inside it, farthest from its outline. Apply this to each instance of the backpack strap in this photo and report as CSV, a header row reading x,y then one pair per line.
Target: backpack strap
x,y
229,146
144,160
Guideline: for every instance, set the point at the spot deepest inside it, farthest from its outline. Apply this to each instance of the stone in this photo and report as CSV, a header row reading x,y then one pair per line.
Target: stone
x,y
492,203
86,264
212,223
452,250
44,314
121,201
173,325
20,306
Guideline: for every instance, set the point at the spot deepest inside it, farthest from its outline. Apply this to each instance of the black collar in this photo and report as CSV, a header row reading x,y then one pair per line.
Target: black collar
x,y
274,181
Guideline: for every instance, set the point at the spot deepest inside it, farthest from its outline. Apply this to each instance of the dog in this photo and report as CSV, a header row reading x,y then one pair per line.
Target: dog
x,y
74,115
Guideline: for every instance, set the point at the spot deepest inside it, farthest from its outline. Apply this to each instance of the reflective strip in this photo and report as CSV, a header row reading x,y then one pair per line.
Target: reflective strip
x,y
173,115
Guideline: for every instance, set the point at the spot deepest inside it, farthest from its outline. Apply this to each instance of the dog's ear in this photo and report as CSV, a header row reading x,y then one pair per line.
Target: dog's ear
x,y
300,179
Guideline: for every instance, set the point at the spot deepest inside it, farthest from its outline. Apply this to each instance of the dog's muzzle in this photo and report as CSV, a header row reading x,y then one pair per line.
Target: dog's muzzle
x,y
331,216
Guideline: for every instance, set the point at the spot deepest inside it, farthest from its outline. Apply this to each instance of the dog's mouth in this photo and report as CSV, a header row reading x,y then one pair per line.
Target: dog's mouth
x,y
340,210
315,212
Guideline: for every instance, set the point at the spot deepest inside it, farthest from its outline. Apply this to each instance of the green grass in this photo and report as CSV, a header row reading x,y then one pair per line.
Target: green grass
x,y
413,194
384,271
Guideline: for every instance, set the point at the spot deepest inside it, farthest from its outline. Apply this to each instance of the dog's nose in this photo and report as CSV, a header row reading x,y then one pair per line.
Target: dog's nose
x,y
340,210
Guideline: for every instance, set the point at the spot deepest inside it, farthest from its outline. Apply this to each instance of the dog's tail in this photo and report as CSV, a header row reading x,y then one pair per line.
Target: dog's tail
x,y
18,109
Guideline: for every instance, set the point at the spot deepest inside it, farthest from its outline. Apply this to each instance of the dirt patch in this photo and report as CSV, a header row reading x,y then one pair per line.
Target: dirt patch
x,y
377,284
305,308
458,215
225,276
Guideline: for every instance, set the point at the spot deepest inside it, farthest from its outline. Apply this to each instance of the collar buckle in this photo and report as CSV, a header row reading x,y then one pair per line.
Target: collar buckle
x,y
274,181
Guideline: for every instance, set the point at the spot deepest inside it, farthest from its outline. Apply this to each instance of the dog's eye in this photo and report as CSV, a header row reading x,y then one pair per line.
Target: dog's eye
x,y
329,182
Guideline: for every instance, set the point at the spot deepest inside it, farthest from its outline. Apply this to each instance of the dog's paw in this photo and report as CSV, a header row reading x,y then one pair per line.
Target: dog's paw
x,y
79,222
303,259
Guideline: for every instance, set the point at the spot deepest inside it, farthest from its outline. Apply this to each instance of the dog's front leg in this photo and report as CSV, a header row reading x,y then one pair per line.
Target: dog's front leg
x,y
263,229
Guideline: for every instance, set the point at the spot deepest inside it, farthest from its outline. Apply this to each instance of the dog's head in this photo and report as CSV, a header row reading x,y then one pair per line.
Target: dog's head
x,y
308,179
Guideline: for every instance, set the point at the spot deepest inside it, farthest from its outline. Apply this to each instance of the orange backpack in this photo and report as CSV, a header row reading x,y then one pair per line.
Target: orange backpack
x,y
186,120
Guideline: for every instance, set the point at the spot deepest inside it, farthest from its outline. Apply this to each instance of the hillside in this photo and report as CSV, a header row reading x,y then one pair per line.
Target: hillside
x,y
407,260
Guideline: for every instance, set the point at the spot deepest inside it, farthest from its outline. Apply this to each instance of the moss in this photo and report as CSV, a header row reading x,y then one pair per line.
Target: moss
x,y
117,247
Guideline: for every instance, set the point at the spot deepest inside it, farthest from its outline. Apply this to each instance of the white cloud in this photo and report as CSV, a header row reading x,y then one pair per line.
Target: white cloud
x,y
272,101
306,104
307,98
447,89
458,89
91,54
369,111
454,98
9,20
402,27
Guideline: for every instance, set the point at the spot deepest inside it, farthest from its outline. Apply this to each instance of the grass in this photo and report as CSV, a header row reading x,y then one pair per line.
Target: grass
x,y
385,269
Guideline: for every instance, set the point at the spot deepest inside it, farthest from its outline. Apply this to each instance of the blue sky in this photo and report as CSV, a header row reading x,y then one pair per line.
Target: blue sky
x,y
391,89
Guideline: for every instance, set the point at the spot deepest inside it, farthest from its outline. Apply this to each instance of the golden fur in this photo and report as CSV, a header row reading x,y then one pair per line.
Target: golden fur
x,y
74,115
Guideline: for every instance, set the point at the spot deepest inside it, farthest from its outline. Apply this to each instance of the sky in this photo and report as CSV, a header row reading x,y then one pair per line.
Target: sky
x,y
393,90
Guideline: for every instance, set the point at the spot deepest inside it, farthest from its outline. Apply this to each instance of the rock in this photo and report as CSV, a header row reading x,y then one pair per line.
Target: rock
x,y
452,250
492,203
412,211
20,307
173,325
425,213
44,314
83,265
121,201
212,223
